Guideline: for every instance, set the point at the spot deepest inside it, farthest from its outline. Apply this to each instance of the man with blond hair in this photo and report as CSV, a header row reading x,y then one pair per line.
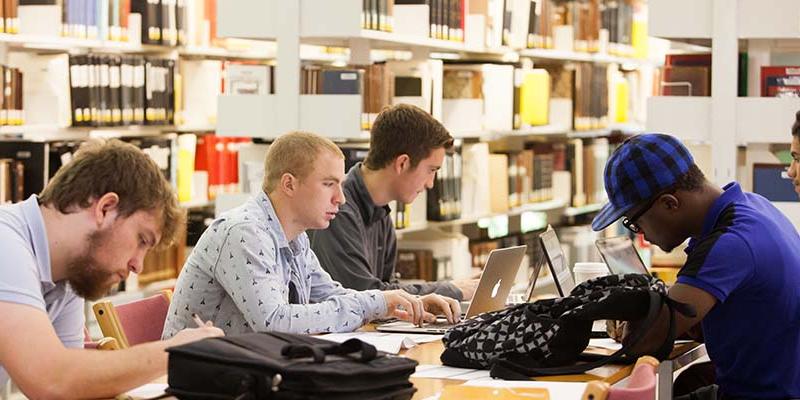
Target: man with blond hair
x,y
90,227
253,269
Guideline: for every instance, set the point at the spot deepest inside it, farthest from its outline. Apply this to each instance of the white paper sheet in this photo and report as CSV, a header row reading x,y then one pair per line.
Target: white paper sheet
x,y
444,372
386,342
148,391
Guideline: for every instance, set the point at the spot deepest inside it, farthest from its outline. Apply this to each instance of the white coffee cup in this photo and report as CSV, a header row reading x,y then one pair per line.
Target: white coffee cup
x,y
584,271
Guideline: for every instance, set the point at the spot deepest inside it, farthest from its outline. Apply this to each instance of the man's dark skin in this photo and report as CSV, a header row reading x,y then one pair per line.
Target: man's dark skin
x,y
671,219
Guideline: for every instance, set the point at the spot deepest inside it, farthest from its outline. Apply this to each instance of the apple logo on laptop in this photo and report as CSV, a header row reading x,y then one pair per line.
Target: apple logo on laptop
x,y
496,288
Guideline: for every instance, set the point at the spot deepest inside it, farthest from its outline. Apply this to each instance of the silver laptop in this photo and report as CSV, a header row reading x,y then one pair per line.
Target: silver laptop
x,y
562,276
496,282
621,256
557,263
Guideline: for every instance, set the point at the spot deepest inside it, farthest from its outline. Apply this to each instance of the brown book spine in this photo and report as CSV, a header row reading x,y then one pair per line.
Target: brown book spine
x,y
19,181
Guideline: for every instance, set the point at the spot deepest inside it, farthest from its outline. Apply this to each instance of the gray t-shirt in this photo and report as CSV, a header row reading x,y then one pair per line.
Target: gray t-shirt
x,y
25,274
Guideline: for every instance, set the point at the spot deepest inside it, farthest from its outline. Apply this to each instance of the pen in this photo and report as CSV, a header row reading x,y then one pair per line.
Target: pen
x,y
198,321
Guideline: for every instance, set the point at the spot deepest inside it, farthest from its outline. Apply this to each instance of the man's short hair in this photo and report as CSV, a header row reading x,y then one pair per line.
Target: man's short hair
x,y
100,167
294,153
405,129
692,180
796,126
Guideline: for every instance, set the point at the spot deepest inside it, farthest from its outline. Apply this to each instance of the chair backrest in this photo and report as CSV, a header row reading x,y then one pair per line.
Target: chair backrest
x,y
641,384
136,322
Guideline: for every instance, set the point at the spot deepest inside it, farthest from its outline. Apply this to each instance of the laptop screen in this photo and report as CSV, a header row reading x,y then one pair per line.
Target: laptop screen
x,y
621,256
557,262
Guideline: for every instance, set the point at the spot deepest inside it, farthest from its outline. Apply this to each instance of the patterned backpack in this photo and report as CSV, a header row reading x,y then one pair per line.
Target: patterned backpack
x,y
547,337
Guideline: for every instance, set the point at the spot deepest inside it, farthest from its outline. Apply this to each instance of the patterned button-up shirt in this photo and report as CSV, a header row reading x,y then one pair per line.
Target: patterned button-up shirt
x,y
244,275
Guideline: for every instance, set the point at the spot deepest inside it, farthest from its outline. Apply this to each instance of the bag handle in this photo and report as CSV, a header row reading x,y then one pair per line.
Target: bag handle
x,y
507,369
367,352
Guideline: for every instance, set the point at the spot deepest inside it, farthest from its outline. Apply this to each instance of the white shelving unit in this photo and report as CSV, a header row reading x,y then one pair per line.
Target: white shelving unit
x,y
685,117
724,120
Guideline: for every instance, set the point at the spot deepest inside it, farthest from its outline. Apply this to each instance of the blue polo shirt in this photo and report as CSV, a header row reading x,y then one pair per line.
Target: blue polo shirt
x,y
26,278
748,258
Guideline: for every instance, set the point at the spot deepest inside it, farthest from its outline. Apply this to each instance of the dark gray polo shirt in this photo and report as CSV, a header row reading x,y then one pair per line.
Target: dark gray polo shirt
x,y
359,248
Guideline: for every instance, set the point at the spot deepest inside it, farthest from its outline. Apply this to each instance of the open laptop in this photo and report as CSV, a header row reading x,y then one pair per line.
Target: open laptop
x,y
621,256
562,276
496,282
557,263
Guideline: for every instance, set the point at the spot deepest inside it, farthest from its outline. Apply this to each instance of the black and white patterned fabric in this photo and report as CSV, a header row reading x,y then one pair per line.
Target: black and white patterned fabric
x,y
549,332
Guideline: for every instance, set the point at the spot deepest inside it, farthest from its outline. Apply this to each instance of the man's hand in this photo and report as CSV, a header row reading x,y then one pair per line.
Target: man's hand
x,y
436,304
193,334
402,305
467,287
615,329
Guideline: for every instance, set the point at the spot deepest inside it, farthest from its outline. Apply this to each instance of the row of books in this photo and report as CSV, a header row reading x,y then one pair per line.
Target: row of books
x,y
686,75
95,19
11,97
378,15
444,198
446,18
177,22
199,166
9,16
416,264
34,163
573,25
497,181
375,83
113,90
163,22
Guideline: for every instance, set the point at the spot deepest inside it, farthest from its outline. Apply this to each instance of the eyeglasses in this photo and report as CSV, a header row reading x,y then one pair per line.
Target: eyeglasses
x,y
630,222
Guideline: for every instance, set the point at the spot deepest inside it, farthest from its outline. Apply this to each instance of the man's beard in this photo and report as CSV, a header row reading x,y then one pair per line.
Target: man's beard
x,y
87,277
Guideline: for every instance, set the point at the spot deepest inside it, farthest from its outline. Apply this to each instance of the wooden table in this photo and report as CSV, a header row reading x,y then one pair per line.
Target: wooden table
x,y
428,353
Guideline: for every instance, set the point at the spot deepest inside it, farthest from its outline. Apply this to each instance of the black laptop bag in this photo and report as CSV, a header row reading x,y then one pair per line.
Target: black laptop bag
x,y
547,337
286,366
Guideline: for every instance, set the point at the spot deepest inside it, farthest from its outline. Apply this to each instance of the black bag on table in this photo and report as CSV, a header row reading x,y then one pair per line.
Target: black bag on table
x,y
286,366
547,337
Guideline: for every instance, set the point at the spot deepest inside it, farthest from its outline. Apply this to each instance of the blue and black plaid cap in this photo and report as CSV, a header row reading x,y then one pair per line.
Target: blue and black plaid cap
x,y
640,168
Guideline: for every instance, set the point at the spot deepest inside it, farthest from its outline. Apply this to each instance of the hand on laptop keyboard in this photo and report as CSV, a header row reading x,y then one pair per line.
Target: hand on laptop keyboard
x,y
446,306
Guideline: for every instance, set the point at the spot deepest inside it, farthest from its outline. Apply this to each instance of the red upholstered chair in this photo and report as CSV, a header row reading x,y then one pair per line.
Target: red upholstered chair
x,y
136,322
641,384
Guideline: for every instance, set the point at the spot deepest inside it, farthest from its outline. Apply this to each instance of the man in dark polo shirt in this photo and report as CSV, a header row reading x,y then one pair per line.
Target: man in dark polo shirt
x,y
359,248
742,273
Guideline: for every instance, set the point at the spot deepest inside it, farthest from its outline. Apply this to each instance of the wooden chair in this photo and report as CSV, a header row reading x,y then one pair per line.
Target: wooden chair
x,y
136,322
105,343
641,384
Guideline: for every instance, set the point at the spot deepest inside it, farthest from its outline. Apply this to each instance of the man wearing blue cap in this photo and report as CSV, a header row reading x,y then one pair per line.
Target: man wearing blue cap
x,y
742,273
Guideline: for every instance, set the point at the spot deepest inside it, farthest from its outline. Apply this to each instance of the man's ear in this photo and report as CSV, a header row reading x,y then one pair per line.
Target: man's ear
x,y
288,184
670,202
401,163
105,209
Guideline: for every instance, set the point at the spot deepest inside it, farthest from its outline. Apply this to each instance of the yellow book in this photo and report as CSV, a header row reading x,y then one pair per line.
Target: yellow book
x,y
186,151
621,96
639,38
534,97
